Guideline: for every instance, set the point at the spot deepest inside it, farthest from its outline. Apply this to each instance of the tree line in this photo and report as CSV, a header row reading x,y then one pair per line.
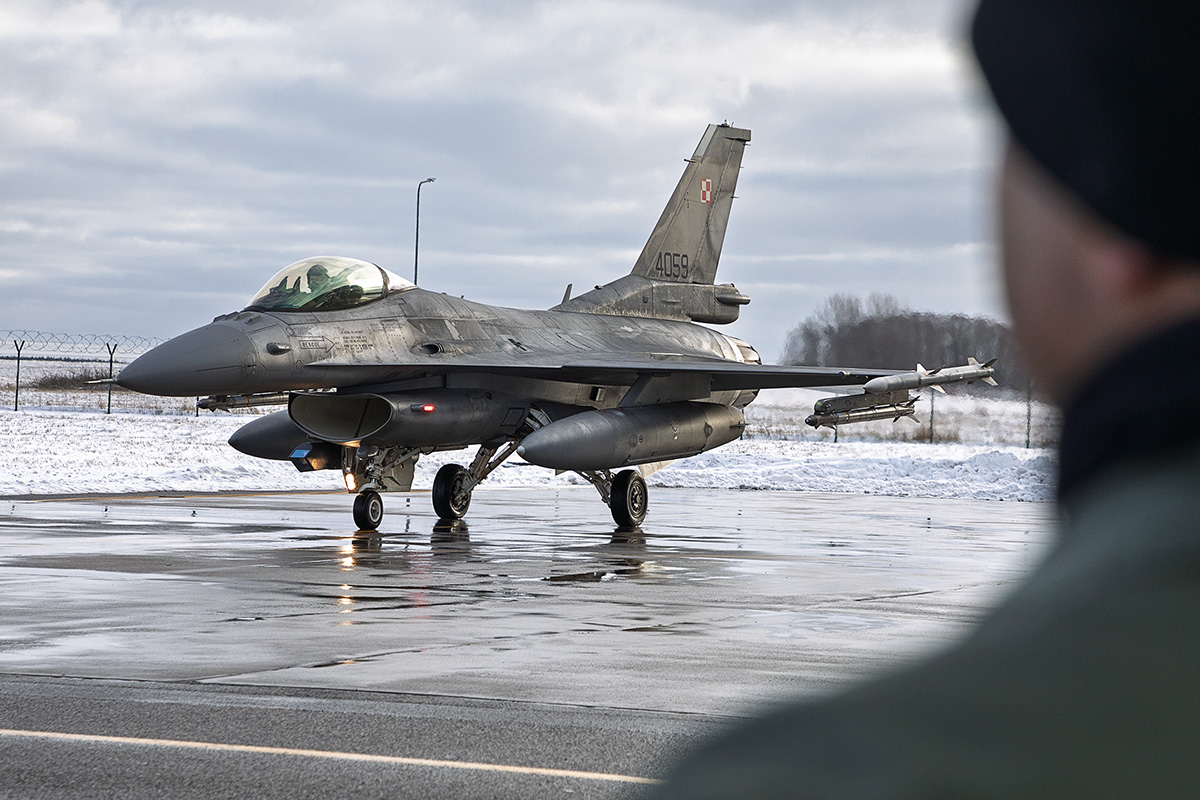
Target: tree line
x,y
881,332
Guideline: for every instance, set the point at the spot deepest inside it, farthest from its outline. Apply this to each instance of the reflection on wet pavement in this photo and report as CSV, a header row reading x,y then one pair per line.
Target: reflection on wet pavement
x,y
722,600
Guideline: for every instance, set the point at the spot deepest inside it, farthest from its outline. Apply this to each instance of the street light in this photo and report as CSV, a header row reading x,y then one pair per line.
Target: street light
x,y
417,242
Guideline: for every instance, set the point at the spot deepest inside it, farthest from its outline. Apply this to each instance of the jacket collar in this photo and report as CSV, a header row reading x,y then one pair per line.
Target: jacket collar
x,y
1145,402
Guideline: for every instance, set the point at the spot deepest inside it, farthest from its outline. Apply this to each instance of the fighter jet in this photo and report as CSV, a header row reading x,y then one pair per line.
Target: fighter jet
x,y
376,372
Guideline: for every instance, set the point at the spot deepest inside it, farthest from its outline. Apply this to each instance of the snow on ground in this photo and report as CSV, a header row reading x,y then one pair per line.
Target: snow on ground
x,y
890,468
52,452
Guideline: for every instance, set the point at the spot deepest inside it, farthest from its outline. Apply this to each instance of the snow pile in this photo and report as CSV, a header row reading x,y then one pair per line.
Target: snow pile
x,y
52,452
892,468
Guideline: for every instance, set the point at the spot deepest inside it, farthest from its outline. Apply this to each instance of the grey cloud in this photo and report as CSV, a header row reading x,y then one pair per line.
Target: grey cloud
x,y
161,161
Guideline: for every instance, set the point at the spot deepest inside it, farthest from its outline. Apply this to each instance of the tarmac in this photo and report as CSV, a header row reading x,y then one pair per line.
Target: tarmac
x,y
225,645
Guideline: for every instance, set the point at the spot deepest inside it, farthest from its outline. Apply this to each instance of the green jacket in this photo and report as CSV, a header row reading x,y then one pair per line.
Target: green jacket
x,y
1084,683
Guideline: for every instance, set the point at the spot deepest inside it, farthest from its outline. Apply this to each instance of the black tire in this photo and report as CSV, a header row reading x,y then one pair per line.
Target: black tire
x,y
629,499
451,492
368,510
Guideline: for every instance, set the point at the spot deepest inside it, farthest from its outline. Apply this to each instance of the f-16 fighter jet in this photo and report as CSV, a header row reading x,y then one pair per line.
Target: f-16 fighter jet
x,y
376,372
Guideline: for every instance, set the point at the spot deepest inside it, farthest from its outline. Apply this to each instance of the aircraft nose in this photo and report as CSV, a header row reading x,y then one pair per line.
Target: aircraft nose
x,y
208,360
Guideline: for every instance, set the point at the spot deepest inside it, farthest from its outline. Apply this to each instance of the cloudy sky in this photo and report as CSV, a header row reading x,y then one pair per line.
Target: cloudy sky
x,y
159,161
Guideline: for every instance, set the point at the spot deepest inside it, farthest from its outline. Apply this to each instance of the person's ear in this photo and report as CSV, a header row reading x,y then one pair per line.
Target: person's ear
x,y
1136,286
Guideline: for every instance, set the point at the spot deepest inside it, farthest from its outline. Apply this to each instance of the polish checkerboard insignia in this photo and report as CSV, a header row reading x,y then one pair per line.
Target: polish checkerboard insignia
x,y
706,190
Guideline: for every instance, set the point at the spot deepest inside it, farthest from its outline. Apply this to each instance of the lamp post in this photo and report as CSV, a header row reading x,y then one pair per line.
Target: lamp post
x,y
417,241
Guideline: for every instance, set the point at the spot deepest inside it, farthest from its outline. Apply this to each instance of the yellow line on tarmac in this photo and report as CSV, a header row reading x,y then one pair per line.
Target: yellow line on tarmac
x,y
289,751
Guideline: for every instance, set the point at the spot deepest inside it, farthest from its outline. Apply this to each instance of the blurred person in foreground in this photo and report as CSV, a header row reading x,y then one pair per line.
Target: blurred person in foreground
x,y
1086,681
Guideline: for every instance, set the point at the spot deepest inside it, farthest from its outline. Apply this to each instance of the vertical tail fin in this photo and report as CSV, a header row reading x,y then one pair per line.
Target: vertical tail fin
x,y
674,277
686,243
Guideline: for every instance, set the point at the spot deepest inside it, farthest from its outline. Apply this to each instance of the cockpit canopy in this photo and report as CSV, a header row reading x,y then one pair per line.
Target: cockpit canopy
x,y
327,283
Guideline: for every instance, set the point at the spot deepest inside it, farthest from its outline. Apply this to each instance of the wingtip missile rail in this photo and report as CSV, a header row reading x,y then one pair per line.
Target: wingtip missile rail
x,y
973,371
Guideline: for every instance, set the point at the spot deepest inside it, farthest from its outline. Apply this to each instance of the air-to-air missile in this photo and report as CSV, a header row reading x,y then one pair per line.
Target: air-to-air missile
x,y
887,397
625,437
834,411
973,371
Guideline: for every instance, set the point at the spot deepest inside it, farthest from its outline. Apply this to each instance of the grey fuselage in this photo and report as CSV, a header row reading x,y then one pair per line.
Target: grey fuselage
x,y
415,338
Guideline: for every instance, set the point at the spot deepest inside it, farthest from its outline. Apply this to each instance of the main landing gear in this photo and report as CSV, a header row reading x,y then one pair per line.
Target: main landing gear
x,y
452,492
628,498
625,494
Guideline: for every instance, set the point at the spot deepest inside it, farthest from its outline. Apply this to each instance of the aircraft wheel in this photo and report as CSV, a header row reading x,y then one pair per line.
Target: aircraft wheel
x,y
368,510
629,498
451,492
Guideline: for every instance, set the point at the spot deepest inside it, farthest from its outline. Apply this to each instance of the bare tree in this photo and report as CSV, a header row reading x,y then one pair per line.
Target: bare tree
x,y
884,333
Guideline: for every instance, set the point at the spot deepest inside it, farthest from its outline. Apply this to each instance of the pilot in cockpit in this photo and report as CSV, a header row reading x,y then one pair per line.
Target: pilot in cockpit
x,y
318,280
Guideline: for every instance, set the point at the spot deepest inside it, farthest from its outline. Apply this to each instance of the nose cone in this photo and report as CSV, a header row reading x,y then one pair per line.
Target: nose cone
x,y
215,359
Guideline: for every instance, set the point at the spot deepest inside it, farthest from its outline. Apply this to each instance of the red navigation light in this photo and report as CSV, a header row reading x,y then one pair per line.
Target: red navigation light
x,y
425,407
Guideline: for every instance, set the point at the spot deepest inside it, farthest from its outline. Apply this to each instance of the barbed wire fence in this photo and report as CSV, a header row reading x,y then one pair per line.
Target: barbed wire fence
x,y
79,344
56,385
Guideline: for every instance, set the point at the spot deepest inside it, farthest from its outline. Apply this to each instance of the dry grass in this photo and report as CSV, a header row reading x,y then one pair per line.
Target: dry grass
x,y
75,380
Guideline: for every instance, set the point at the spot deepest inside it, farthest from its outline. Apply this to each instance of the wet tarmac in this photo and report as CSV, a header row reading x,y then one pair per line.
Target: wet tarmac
x,y
534,613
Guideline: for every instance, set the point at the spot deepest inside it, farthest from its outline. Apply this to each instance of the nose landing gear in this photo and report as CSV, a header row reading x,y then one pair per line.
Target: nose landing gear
x,y
368,510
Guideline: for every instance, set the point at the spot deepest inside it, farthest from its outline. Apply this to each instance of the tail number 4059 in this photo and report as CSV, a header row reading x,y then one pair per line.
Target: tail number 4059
x,y
671,265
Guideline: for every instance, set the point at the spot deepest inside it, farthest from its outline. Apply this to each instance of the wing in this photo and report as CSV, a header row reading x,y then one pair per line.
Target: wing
x,y
721,374
724,375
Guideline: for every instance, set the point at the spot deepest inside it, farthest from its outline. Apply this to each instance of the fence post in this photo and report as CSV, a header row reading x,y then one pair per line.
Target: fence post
x,y
932,395
112,349
17,393
1028,411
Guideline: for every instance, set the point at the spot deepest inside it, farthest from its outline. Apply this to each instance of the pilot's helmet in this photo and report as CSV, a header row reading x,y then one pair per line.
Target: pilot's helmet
x,y
317,276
